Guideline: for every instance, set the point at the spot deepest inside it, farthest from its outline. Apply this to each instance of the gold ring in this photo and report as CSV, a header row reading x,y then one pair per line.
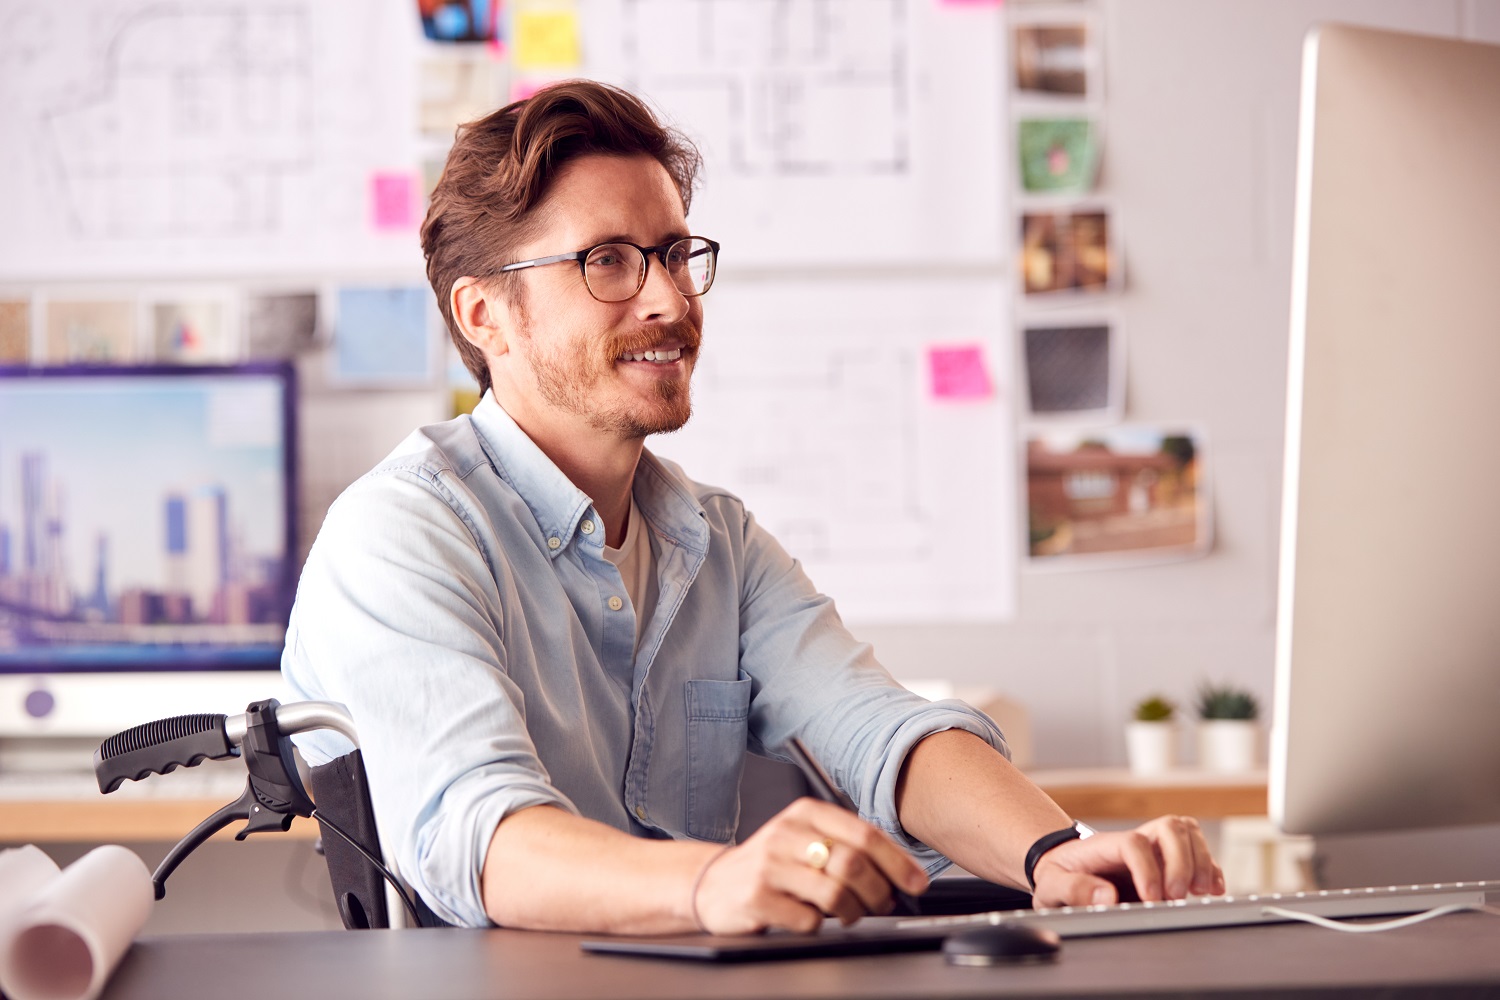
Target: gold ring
x,y
818,853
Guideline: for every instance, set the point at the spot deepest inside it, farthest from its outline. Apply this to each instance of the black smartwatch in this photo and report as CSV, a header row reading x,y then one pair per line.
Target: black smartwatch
x,y
1046,842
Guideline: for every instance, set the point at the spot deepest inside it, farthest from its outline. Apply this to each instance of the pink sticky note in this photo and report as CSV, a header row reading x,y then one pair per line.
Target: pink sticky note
x,y
522,88
392,201
959,373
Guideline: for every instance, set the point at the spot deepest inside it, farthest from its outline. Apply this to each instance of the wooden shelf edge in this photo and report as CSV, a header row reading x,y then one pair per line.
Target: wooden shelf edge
x,y
71,821
1211,798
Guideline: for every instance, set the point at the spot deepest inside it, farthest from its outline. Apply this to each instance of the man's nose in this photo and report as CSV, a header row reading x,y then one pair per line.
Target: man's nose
x,y
660,298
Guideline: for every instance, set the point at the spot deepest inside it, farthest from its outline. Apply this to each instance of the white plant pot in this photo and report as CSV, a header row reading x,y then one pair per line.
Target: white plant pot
x,y
1227,746
1151,747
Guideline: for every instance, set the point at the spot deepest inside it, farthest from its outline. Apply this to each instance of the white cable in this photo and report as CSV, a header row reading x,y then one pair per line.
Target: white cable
x,y
1384,925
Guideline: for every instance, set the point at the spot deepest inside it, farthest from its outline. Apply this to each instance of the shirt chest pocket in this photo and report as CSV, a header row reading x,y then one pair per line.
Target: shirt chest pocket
x,y
718,715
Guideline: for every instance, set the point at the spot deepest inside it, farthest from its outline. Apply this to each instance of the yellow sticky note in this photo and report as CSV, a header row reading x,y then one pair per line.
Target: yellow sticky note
x,y
547,39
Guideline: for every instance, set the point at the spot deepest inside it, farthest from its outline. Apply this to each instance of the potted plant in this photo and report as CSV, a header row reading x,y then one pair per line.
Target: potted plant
x,y
1227,729
1151,736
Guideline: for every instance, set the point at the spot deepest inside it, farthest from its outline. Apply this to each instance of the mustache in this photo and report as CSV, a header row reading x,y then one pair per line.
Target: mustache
x,y
684,331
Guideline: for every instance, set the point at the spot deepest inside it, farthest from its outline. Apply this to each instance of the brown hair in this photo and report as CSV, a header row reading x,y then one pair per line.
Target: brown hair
x,y
501,167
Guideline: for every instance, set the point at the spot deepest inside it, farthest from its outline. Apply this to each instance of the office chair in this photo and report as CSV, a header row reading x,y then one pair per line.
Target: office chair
x,y
368,892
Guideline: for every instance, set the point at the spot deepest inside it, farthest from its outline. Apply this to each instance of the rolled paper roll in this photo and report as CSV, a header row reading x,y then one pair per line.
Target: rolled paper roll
x,y
67,941
24,872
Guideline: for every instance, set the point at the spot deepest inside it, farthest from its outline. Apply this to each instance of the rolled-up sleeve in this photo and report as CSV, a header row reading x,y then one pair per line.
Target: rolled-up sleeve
x,y
814,680
398,617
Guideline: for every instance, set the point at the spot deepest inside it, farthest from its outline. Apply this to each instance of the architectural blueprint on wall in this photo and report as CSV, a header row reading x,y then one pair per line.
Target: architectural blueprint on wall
x,y
833,131
219,136
813,402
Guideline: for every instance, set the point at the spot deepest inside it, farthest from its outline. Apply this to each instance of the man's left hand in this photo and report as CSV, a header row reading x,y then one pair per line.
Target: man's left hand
x,y
1167,858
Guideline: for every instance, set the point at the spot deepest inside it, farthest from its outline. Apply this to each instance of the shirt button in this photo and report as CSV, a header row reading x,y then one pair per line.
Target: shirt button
x,y
615,604
640,812
554,542
587,527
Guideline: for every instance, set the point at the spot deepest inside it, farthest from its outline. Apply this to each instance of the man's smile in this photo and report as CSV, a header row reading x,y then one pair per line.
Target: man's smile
x,y
660,356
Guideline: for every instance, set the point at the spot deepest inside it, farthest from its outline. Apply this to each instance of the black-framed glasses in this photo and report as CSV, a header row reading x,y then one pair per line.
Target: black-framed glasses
x,y
616,271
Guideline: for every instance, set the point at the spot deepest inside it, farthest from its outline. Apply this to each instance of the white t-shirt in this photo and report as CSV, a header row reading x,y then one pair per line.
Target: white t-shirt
x,y
637,565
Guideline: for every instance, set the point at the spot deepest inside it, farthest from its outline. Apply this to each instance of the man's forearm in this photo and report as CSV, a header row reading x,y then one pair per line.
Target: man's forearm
x,y
547,869
958,795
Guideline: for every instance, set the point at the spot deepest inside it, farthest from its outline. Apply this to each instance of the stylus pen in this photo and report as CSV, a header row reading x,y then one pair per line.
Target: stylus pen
x,y
823,788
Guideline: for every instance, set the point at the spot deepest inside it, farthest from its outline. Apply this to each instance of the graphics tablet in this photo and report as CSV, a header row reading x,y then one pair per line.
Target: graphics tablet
x,y
774,945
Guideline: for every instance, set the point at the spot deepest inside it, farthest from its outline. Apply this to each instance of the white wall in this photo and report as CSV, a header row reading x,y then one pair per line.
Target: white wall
x,y
1201,125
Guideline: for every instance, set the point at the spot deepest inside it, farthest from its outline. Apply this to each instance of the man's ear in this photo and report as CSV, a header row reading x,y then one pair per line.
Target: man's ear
x,y
483,317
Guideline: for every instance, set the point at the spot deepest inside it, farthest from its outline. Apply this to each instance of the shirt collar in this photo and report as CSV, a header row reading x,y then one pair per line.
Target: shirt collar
x,y
664,498
555,502
668,502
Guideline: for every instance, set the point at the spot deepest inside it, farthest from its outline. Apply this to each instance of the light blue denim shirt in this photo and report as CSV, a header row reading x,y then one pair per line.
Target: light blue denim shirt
x,y
458,602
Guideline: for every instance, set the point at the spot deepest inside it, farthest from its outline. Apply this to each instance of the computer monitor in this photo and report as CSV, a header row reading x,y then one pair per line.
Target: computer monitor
x,y
146,543
1387,694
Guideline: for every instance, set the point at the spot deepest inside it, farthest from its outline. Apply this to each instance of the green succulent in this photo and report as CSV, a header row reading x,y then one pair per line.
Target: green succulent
x,y
1226,702
1154,709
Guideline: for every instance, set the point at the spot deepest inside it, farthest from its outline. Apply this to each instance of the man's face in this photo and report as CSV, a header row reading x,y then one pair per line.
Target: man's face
x,y
579,355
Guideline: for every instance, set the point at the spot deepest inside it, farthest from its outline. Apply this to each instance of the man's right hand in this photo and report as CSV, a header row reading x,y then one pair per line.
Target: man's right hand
x,y
772,879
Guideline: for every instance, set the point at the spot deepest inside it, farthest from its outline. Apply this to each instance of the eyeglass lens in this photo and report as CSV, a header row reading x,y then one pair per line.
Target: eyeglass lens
x,y
616,271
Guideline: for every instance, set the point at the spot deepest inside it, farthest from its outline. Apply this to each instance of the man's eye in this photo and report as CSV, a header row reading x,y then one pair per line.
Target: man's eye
x,y
677,256
609,259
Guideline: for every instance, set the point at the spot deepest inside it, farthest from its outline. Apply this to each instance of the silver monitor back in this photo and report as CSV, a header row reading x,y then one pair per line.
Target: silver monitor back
x,y
1387,703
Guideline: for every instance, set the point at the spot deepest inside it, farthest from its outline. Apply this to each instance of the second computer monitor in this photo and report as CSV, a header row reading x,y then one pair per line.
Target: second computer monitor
x,y
1388,649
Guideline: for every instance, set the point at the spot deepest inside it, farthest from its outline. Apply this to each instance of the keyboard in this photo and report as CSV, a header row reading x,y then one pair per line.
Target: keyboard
x,y
1227,911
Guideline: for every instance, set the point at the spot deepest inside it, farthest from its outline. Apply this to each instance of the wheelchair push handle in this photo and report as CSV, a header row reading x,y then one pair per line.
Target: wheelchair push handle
x,y
161,746
188,740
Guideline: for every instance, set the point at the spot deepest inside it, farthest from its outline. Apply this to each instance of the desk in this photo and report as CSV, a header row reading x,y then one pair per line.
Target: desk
x,y
1457,955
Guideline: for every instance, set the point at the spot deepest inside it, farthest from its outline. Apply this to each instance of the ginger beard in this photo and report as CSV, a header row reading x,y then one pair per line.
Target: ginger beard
x,y
581,377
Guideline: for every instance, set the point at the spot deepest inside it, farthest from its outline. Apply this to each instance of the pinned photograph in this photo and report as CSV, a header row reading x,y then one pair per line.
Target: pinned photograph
x,y
383,335
1054,59
1074,372
1116,496
280,324
1058,155
460,20
194,331
15,331
1066,251
85,331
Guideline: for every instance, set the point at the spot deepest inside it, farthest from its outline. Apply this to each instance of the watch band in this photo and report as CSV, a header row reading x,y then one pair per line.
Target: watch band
x,y
1044,844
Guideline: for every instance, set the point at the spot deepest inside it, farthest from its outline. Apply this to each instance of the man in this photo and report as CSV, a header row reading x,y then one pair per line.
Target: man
x,y
557,648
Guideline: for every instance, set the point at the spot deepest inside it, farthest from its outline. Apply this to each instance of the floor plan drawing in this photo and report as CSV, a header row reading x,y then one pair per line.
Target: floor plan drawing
x,y
874,125
180,136
190,123
849,444
815,87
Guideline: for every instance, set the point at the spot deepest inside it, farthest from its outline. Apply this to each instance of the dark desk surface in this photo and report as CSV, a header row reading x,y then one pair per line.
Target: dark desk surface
x,y
1457,955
